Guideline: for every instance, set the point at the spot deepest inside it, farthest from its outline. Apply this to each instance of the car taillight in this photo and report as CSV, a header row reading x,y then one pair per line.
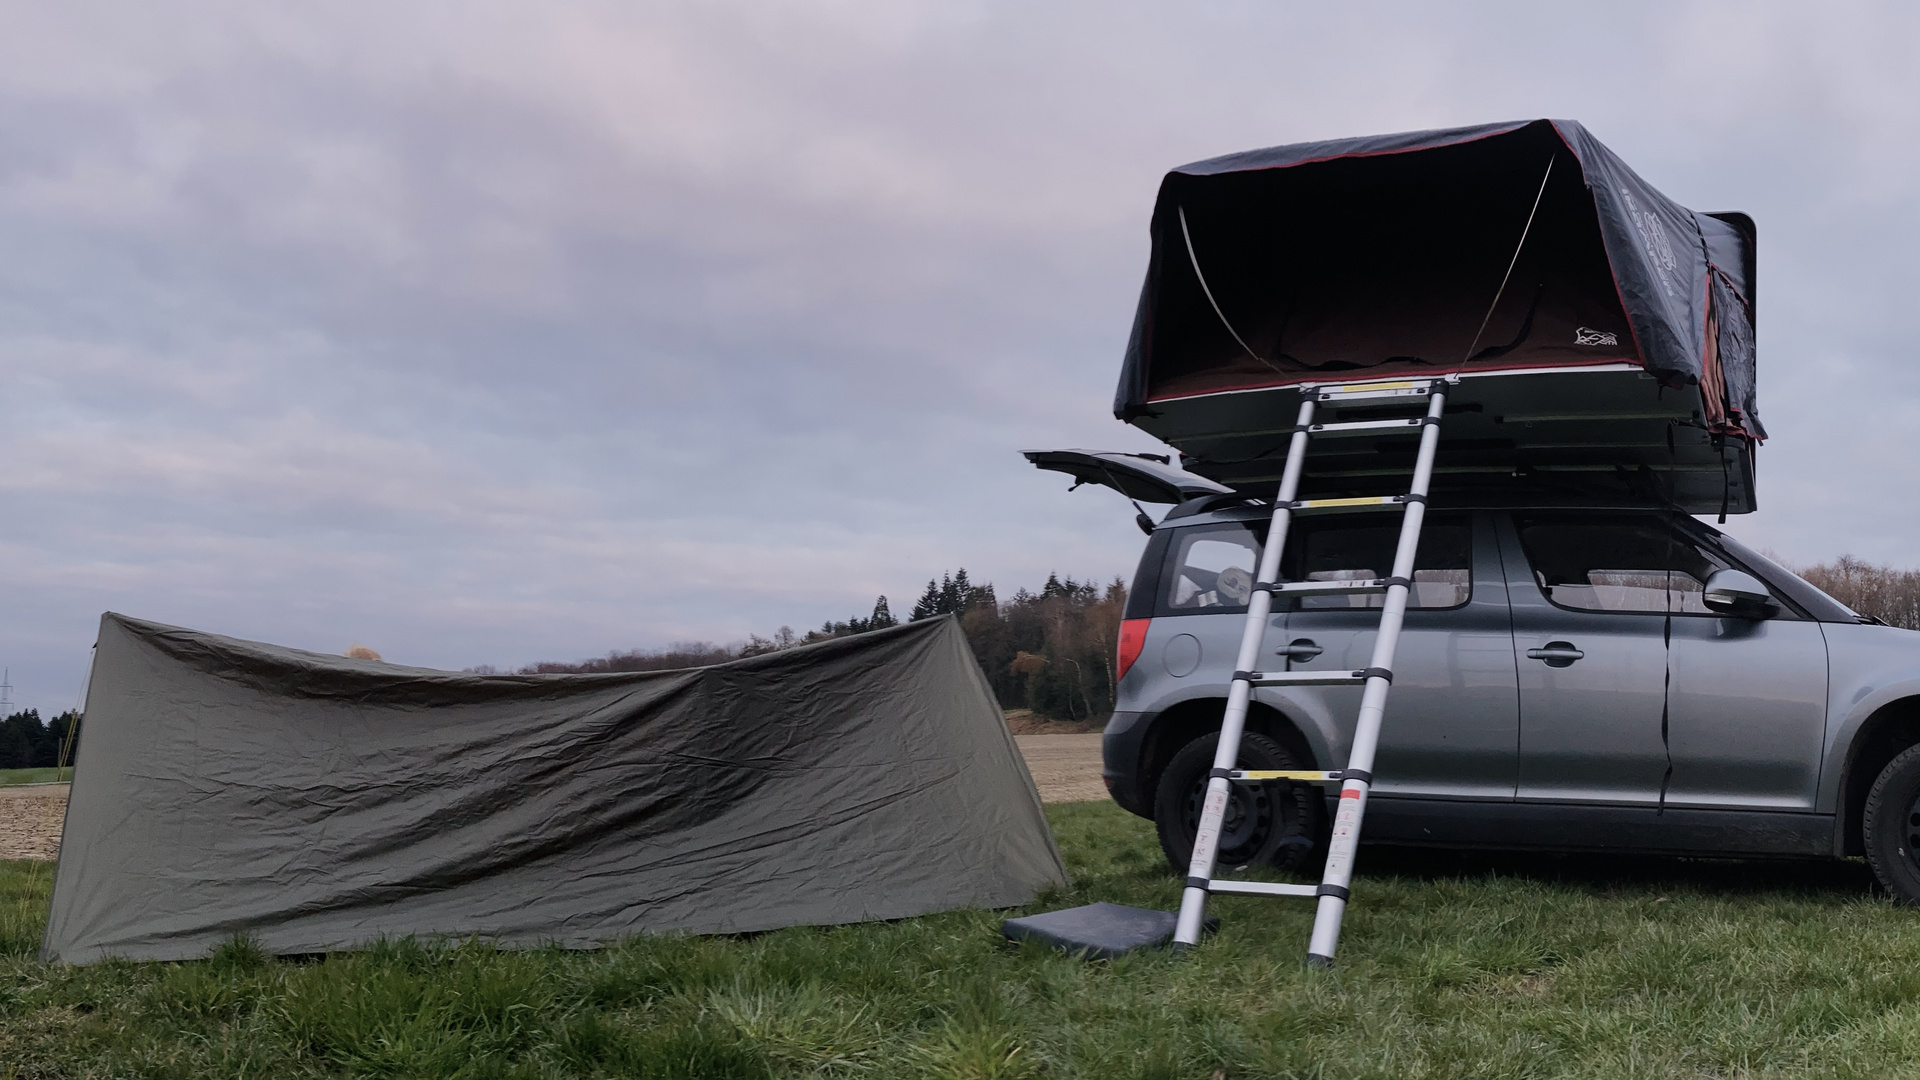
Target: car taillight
x,y
1133,638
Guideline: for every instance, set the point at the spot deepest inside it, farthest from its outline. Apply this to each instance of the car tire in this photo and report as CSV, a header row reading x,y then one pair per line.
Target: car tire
x,y
1891,827
1274,824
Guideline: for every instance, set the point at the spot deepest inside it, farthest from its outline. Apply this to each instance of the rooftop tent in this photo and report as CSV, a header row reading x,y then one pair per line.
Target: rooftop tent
x,y
1617,363
318,803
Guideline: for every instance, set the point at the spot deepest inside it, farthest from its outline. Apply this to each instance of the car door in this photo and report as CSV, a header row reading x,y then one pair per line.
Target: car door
x,y
1748,697
1632,691
1452,722
1589,638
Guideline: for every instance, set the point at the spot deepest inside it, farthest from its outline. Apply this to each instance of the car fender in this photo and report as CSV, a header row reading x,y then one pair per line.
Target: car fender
x,y
1869,668
1308,714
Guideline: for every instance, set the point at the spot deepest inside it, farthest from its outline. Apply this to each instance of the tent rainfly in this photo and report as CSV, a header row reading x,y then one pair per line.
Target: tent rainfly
x,y
1623,329
317,803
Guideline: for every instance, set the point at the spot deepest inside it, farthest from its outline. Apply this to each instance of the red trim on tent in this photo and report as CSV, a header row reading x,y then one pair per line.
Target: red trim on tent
x,y
1355,377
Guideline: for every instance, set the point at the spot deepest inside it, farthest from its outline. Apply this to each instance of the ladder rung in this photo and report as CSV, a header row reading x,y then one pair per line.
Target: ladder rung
x,y
1306,678
1325,588
1380,391
1262,888
1305,776
1361,427
1370,502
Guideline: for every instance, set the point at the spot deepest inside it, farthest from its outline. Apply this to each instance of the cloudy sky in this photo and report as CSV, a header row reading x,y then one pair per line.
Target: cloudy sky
x,y
490,333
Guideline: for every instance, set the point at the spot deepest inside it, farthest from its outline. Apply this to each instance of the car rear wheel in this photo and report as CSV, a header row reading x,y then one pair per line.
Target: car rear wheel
x,y
1892,827
1274,823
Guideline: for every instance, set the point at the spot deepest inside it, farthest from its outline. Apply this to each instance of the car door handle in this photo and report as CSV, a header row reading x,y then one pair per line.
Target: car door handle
x,y
1556,653
1302,650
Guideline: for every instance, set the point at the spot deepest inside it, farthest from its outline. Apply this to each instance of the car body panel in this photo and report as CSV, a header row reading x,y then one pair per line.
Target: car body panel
x,y
1596,827
1452,725
1748,707
1589,730
1762,717
1870,668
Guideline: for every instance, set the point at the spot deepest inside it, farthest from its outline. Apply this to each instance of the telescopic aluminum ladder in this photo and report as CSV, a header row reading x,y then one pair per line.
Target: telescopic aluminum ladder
x,y
1357,777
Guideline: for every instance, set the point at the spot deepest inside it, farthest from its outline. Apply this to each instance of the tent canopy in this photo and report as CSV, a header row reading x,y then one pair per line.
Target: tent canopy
x,y
1383,256
318,803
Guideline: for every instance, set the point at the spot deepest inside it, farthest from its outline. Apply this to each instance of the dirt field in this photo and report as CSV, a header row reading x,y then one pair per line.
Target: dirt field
x,y
1066,767
30,818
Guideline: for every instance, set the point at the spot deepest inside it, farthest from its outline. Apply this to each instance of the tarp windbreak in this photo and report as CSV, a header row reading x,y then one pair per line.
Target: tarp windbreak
x,y
317,803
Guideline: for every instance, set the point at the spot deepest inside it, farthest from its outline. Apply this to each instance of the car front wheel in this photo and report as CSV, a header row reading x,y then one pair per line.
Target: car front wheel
x,y
1275,823
1892,827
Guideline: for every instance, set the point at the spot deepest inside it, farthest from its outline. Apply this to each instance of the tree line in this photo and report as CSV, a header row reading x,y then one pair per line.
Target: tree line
x,y
1892,596
1050,651
27,742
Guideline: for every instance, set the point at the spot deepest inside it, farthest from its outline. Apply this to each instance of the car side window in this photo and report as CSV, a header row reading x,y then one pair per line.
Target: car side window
x,y
1333,549
1211,568
1623,563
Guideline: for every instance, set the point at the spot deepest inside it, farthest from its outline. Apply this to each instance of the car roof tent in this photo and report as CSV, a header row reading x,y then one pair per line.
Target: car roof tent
x,y
1619,324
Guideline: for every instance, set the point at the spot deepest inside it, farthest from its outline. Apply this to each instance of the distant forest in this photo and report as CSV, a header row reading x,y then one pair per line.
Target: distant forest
x,y
1053,651
27,742
1050,651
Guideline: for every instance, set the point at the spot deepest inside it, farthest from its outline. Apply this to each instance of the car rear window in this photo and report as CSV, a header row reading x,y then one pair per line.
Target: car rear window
x,y
1212,568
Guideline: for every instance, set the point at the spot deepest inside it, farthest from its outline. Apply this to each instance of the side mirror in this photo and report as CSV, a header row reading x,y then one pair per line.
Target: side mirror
x,y
1741,595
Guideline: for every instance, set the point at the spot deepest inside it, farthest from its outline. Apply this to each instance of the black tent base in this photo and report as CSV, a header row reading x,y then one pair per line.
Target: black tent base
x,y
1592,437
1097,931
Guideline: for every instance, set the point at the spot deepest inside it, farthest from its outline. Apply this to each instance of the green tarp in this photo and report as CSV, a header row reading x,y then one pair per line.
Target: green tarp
x,y
316,803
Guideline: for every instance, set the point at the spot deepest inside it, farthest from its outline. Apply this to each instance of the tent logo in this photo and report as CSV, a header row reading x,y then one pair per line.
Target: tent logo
x,y
1659,248
1586,335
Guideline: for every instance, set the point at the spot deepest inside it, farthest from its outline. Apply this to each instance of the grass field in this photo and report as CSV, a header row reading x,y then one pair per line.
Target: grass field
x,y
34,776
1451,965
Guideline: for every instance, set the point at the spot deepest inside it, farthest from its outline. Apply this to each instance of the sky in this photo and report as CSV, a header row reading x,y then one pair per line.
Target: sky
x,y
489,333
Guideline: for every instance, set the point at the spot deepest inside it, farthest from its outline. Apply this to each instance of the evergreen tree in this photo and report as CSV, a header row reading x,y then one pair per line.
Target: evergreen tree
x,y
953,594
949,599
929,603
20,738
882,616
62,741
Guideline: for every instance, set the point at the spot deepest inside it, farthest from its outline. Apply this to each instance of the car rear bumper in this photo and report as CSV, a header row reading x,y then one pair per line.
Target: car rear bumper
x,y
1120,760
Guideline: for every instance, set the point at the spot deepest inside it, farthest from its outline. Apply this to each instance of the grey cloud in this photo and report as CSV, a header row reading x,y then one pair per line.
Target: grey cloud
x,y
489,333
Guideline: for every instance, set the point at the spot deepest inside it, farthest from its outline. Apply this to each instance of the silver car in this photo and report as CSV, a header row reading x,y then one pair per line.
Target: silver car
x,y
1601,679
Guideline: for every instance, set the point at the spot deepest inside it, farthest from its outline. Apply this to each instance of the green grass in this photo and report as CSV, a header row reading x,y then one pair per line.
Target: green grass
x,y
35,776
1451,965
